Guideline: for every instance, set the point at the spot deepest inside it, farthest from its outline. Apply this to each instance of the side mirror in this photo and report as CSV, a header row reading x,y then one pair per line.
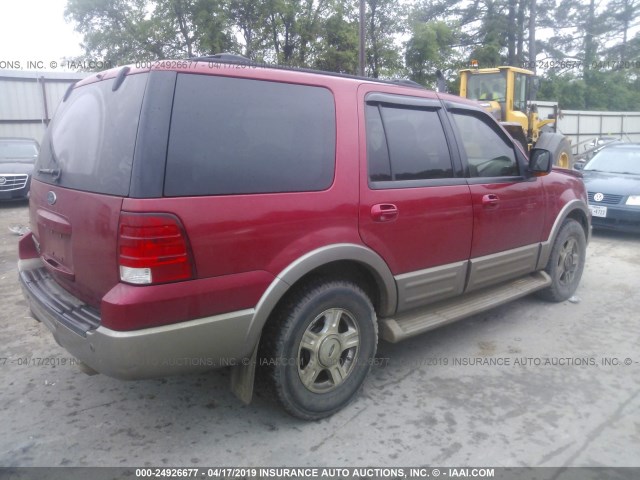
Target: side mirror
x,y
579,165
540,162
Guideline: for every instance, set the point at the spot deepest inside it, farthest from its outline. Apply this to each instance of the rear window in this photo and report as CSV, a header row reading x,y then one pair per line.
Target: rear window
x,y
239,136
90,143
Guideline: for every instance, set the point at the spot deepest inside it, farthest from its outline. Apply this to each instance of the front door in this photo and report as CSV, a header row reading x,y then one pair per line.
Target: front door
x,y
508,206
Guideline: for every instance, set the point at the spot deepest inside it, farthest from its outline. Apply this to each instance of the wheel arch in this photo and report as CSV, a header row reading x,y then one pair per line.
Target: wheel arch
x,y
344,260
333,261
575,210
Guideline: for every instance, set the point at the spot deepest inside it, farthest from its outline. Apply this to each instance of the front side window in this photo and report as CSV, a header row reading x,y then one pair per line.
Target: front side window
x,y
406,144
241,136
489,154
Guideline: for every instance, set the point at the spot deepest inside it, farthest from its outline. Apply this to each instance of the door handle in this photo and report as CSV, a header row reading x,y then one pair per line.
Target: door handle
x,y
490,201
384,212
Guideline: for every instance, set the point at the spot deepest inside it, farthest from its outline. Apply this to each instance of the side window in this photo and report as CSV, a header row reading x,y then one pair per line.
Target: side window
x,y
520,93
241,136
406,143
489,154
377,149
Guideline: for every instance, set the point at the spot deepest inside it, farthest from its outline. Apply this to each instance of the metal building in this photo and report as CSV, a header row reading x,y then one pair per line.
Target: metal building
x,y
28,100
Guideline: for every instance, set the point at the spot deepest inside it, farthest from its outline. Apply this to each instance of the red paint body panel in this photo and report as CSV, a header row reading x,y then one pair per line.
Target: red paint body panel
x,y
80,232
561,187
433,226
515,219
129,307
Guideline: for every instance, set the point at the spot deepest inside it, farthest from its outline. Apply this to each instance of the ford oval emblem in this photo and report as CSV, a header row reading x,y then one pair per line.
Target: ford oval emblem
x,y
51,198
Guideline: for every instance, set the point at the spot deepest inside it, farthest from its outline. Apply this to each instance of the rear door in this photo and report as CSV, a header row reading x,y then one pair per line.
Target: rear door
x,y
508,206
415,204
81,176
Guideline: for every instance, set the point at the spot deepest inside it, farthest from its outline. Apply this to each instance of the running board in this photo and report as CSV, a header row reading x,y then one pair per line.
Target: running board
x,y
415,322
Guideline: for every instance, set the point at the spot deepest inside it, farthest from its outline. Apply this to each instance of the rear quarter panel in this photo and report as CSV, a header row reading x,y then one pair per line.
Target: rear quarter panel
x,y
234,234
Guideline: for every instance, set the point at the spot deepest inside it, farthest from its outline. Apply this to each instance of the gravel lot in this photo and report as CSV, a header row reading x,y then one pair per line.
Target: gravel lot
x,y
527,384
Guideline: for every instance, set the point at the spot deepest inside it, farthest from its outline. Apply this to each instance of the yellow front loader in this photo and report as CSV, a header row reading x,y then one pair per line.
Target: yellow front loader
x,y
507,93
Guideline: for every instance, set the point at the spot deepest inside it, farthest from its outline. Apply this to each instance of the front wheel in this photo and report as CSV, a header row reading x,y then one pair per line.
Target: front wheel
x,y
319,348
566,263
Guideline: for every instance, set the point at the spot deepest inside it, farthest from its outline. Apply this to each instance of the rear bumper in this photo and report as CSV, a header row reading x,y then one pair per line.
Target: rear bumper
x,y
195,345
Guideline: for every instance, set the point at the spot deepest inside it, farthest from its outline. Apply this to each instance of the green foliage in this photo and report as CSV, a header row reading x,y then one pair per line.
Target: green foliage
x,y
383,22
340,43
428,50
414,38
612,91
568,90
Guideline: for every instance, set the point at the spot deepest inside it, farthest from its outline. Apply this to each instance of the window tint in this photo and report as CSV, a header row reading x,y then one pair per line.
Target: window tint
x,y
489,154
236,136
415,147
377,151
92,137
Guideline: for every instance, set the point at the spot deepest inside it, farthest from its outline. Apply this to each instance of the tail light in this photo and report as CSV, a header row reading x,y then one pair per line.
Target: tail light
x,y
153,248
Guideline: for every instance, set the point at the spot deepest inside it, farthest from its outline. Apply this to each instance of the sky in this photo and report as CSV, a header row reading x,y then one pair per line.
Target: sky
x,y
35,31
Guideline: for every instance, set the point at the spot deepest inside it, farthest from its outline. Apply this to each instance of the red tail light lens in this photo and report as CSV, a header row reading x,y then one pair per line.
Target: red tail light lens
x,y
153,248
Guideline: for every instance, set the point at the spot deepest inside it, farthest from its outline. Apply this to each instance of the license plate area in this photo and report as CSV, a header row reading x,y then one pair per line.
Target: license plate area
x,y
54,236
598,211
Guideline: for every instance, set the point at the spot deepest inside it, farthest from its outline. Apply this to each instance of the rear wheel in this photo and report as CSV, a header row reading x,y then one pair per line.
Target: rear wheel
x,y
566,263
319,348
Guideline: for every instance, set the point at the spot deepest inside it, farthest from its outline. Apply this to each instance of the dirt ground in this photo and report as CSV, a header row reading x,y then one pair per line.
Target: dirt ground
x,y
527,384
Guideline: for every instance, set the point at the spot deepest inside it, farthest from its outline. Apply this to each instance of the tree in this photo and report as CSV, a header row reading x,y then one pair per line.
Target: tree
x,y
249,18
115,31
383,23
428,49
338,51
126,31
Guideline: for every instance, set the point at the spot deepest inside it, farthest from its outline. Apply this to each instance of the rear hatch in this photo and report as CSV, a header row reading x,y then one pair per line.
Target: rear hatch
x,y
80,179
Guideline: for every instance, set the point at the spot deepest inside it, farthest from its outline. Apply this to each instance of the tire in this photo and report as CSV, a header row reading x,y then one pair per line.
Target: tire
x,y
562,156
559,147
319,347
566,263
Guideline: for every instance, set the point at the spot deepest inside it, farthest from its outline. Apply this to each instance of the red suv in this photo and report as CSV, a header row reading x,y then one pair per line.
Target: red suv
x,y
201,214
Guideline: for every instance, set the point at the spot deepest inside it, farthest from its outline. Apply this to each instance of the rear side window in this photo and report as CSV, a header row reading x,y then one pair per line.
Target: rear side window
x,y
406,144
90,143
239,136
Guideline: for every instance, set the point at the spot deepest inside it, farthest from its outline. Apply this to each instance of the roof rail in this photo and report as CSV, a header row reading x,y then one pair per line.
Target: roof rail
x,y
406,82
239,59
222,57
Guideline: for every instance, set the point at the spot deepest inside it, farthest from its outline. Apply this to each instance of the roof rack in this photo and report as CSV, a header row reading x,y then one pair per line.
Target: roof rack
x,y
222,58
233,58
